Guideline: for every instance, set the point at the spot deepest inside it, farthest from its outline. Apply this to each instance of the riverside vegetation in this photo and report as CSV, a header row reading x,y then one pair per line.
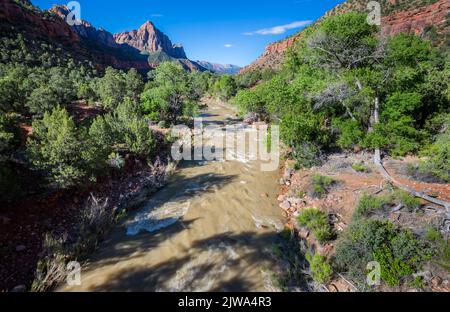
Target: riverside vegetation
x,y
344,88
341,88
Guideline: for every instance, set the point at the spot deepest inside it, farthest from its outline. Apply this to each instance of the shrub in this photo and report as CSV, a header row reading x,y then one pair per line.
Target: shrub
x,y
56,147
170,95
321,270
350,134
321,185
360,167
51,268
392,268
438,164
123,130
397,250
369,204
307,155
407,200
441,247
111,88
41,100
317,222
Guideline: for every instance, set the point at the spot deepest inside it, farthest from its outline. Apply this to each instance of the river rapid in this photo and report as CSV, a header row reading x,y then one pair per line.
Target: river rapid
x,y
211,229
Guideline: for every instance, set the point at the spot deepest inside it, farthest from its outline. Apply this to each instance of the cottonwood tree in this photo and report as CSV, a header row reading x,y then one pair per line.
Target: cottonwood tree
x,y
169,94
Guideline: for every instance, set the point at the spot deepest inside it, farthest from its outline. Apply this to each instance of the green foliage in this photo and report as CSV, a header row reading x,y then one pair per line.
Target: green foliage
x,y
57,148
317,222
321,185
41,100
124,130
406,199
112,88
439,161
326,93
350,133
398,251
392,268
171,95
134,85
307,155
321,270
369,204
360,167
225,87
440,245
7,136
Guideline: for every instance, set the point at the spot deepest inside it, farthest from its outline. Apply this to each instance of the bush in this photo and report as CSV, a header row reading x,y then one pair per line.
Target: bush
x,y
111,88
350,133
406,199
170,95
369,204
123,130
360,167
397,250
321,185
317,222
307,155
321,271
441,247
41,100
56,147
437,167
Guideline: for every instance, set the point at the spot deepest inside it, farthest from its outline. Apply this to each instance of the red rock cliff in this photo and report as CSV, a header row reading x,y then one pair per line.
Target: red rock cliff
x,y
412,20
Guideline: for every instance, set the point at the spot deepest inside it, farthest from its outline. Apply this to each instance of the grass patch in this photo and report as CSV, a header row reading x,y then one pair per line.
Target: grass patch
x,y
360,167
321,185
407,200
369,204
317,222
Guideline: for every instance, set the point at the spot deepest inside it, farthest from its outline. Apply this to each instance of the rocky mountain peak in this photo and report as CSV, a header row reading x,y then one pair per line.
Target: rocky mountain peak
x,y
150,39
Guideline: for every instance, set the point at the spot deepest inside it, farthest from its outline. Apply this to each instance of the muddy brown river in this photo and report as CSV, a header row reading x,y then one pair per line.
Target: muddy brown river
x,y
211,229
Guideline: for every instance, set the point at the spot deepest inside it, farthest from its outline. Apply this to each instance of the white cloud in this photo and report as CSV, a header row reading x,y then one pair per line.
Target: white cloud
x,y
278,30
228,45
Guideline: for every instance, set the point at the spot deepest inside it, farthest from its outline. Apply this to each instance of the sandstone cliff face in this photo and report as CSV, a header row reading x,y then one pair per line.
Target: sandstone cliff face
x,y
83,42
36,24
86,30
415,19
149,39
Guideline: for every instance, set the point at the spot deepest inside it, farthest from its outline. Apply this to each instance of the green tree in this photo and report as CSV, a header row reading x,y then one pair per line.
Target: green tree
x,y
170,93
111,88
41,100
56,147
134,84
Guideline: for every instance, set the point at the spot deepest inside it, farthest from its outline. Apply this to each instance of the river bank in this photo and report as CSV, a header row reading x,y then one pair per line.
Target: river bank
x,y
212,228
355,175
27,222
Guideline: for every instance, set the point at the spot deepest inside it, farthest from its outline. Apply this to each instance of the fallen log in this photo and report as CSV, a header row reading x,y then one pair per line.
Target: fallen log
x,y
387,176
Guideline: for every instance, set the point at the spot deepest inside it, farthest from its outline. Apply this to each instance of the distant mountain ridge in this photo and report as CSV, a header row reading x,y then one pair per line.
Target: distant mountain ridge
x,y
220,68
417,16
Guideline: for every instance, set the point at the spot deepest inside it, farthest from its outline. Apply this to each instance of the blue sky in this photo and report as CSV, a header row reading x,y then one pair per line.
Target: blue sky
x,y
227,32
